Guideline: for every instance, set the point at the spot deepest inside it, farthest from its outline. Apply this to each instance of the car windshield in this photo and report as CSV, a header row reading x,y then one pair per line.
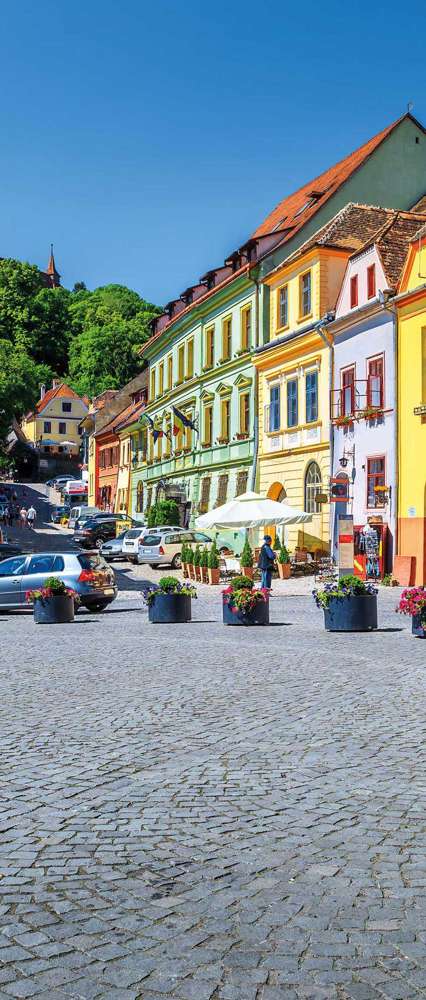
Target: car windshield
x,y
133,533
152,540
92,561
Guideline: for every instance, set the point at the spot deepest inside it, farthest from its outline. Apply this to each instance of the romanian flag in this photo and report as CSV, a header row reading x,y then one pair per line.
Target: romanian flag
x,y
158,428
180,421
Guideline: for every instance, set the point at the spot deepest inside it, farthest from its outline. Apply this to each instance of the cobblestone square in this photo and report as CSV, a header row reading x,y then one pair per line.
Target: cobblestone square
x,y
209,813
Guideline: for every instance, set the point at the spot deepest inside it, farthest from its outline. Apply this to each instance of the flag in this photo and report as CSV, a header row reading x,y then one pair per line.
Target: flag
x,y
156,427
180,421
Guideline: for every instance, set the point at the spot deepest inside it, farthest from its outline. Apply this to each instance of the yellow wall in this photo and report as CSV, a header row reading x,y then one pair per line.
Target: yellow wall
x,y
34,426
411,426
91,469
123,478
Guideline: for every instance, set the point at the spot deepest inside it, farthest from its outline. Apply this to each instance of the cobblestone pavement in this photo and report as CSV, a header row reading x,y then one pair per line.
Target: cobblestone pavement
x,y
212,814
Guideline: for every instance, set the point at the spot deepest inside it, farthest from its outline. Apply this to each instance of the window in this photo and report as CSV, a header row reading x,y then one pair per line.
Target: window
x,y
305,302
225,413
371,281
311,397
354,291
375,387
170,371
205,493
244,412
47,426
190,358
283,306
40,564
242,479
227,338
188,431
181,363
161,378
274,408
209,347
347,392
222,490
152,384
292,407
12,567
245,328
168,436
208,424
101,459
139,497
62,427
312,487
375,477
66,407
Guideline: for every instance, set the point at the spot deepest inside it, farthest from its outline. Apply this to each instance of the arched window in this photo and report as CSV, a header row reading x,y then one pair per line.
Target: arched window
x,y
139,497
312,487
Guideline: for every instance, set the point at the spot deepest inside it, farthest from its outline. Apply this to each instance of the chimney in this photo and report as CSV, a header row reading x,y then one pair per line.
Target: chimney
x,y
42,391
55,383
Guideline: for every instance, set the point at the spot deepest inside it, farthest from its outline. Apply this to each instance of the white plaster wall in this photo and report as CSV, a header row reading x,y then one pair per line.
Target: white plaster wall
x,y
358,265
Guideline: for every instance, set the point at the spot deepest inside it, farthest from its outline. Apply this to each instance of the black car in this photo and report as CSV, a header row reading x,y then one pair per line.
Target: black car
x,y
95,532
57,513
9,549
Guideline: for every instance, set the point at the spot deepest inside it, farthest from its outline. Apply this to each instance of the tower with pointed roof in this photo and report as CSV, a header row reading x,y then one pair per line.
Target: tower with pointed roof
x,y
53,278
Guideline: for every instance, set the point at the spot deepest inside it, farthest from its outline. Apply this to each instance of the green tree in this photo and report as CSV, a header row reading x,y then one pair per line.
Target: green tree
x,y
20,380
19,284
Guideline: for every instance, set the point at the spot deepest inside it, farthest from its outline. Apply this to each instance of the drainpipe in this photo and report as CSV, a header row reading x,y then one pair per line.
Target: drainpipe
x,y
392,309
255,395
321,328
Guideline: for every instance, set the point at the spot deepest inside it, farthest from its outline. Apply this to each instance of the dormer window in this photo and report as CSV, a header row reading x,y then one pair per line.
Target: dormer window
x,y
354,291
313,197
371,281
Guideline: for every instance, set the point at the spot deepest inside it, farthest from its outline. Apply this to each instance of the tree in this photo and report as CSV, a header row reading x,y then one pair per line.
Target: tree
x,y
51,329
80,286
19,284
20,380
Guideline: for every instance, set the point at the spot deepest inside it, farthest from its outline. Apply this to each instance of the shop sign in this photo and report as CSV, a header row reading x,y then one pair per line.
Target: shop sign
x,y
345,544
420,411
122,526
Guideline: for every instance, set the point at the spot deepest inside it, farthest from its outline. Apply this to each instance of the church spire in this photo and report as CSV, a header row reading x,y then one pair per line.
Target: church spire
x,y
54,278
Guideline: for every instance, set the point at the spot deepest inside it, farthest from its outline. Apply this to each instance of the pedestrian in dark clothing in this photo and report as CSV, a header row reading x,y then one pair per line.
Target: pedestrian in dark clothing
x,y
266,562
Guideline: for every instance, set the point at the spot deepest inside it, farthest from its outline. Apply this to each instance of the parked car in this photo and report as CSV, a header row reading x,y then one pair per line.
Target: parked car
x,y
85,572
113,548
102,516
57,513
57,482
81,511
161,548
134,538
95,531
9,549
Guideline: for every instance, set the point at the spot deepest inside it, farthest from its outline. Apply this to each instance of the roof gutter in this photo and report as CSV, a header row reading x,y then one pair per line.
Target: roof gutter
x,y
322,329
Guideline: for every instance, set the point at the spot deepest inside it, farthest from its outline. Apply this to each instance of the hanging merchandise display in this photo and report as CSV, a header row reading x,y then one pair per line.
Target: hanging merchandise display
x,y
370,550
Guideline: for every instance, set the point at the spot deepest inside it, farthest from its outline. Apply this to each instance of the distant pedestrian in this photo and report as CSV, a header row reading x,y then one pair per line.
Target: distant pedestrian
x,y
6,514
31,516
11,515
23,517
266,562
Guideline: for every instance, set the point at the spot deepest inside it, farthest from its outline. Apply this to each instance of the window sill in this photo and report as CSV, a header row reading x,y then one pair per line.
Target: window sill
x,y
222,361
243,350
207,368
302,319
222,440
281,329
242,436
207,444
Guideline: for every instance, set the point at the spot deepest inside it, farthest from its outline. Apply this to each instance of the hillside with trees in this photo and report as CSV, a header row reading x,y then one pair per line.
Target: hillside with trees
x,y
89,338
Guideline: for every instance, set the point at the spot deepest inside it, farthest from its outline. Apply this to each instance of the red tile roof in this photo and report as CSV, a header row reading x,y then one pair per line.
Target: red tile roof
x,y
58,391
122,419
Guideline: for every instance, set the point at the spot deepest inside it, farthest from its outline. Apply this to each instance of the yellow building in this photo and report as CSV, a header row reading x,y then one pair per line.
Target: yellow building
x,y
295,372
411,305
53,425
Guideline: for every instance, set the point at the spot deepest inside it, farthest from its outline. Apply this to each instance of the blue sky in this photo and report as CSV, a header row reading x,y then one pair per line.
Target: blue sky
x,y
148,140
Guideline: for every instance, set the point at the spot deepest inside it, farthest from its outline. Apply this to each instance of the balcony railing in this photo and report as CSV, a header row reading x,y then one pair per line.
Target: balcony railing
x,y
360,399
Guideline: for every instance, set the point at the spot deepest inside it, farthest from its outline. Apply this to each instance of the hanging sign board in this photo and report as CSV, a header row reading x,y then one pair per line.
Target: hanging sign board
x,y
345,527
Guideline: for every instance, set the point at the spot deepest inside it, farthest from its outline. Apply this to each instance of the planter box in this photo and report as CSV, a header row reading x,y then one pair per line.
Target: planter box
x,y
191,571
418,626
54,610
170,608
351,614
247,571
284,571
214,576
205,574
185,570
197,570
259,615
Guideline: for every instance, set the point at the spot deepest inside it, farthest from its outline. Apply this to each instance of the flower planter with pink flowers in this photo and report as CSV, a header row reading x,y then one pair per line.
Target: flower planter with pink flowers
x,y
413,602
245,605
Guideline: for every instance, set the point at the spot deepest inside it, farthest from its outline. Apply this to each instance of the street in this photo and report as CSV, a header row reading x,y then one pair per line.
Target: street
x,y
208,813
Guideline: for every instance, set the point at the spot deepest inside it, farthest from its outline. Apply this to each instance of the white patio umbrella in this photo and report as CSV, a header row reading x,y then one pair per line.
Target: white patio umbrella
x,y
251,510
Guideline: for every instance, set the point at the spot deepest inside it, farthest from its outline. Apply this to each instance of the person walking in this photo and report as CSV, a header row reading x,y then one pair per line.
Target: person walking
x,y
23,517
31,516
266,562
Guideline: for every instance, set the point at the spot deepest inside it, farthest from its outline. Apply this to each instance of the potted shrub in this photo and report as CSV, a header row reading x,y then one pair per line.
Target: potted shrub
x,y
54,603
283,559
204,562
246,560
184,559
170,602
245,605
190,562
413,602
197,567
349,604
213,565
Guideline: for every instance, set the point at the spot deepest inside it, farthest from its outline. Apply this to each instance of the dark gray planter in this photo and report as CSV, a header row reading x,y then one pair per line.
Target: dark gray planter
x,y
259,615
169,609
418,626
57,610
357,613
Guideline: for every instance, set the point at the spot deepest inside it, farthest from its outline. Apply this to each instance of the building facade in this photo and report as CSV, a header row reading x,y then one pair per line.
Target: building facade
x,y
411,307
54,425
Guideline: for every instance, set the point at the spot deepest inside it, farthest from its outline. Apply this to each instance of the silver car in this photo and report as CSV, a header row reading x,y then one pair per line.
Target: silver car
x,y
134,539
113,548
85,572
162,548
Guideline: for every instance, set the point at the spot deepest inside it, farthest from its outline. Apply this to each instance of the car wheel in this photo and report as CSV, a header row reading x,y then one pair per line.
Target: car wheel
x,y
176,561
99,606
98,543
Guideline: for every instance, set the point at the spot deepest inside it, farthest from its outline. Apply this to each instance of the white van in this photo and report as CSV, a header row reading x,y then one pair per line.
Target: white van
x,y
80,511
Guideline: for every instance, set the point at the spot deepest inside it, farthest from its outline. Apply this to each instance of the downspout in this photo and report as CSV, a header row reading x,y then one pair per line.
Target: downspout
x,y
393,310
255,396
321,327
